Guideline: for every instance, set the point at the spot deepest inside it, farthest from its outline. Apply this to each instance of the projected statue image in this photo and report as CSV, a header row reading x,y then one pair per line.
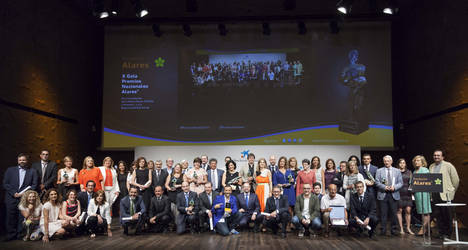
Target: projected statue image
x,y
353,76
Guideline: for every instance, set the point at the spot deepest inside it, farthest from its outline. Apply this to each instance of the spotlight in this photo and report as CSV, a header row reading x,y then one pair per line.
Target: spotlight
x,y
187,30
156,30
334,28
289,4
222,29
98,9
191,5
266,29
390,8
140,11
302,29
114,7
344,6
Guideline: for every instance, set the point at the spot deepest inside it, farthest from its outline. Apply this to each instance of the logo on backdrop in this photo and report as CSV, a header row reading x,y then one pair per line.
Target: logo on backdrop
x,y
244,154
159,62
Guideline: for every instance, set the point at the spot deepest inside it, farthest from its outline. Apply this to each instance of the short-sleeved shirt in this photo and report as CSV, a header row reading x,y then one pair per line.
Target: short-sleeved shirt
x,y
326,202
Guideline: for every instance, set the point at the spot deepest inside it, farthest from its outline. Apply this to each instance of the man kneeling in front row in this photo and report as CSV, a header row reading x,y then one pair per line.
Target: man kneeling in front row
x,y
363,212
225,214
307,212
277,206
160,211
132,211
326,206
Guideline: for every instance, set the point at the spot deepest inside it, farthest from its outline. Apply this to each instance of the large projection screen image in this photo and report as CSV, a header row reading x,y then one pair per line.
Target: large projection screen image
x,y
247,88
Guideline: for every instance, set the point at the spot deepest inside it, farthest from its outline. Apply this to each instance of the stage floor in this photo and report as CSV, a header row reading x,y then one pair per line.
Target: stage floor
x,y
245,240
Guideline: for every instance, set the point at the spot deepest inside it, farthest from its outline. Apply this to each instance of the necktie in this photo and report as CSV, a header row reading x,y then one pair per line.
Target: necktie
x,y
186,199
210,198
277,203
89,198
389,180
360,199
44,165
132,207
247,199
213,179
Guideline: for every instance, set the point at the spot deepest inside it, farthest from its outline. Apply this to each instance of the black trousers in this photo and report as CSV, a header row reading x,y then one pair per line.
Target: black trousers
x,y
444,215
14,219
161,223
230,223
373,222
94,227
388,206
183,219
246,218
282,218
134,224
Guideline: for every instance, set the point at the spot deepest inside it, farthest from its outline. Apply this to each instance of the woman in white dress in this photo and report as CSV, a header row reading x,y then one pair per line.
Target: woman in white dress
x,y
352,176
67,177
110,183
50,223
196,176
319,172
99,218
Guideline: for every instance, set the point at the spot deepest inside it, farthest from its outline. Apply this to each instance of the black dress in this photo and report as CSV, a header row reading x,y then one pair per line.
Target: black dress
x,y
174,181
229,176
122,179
405,195
142,177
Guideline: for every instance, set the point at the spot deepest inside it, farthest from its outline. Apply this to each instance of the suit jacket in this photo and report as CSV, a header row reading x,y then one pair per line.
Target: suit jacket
x,y
450,179
181,202
273,169
381,176
11,183
162,179
205,202
50,175
244,173
252,207
125,207
283,204
367,209
161,207
372,170
83,198
220,173
219,212
115,181
314,206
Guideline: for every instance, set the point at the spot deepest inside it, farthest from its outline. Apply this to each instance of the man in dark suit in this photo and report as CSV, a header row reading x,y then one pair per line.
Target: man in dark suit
x,y
46,172
85,198
159,176
204,163
206,203
273,167
368,171
160,211
16,180
249,208
132,211
215,175
188,206
278,208
363,210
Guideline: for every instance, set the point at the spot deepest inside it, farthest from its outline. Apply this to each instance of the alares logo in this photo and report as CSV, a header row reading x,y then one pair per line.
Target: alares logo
x,y
244,154
438,181
159,62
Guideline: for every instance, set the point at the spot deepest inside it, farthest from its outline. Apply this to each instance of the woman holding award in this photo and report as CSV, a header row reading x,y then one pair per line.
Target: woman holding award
x,y
67,178
264,183
196,176
284,178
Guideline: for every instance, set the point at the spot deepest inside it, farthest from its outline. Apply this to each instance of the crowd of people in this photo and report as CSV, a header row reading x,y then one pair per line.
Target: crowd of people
x,y
44,202
244,72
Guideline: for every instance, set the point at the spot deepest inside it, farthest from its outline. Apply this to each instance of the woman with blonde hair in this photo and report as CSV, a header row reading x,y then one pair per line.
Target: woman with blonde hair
x,y
90,172
99,218
352,176
264,183
110,183
422,199
50,223
67,177
30,207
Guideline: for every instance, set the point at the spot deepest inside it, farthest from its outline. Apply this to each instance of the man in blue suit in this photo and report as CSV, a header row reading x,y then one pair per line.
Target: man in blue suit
x,y
249,208
225,213
215,175
368,171
132,211
388,182
17,179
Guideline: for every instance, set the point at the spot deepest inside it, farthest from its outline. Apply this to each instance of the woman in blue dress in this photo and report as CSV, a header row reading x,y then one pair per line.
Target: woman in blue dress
x,y
284,178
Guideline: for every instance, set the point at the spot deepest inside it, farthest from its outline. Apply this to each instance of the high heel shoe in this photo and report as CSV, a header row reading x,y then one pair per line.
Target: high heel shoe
x,y
421,232
409,231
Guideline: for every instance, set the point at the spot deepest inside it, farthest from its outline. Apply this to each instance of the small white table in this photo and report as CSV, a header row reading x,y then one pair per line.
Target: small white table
x,y
452,205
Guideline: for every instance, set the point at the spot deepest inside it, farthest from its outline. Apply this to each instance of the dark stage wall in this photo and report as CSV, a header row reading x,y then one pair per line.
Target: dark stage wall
x,y
52,56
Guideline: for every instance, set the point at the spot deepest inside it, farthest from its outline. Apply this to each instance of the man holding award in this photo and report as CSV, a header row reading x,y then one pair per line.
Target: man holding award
x,y
388,181
225,215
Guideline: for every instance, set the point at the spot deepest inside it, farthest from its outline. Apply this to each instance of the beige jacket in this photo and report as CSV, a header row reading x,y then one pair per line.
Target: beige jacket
x,y
450,179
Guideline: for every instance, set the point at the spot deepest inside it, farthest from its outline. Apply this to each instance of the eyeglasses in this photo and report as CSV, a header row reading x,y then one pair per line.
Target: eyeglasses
x,y
307,188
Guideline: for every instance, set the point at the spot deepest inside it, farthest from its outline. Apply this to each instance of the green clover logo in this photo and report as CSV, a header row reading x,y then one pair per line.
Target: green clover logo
x,y
438,181
159,62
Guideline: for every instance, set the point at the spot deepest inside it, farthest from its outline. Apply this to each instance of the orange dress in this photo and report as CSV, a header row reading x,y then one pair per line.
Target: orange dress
x,y
93,174
263,189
